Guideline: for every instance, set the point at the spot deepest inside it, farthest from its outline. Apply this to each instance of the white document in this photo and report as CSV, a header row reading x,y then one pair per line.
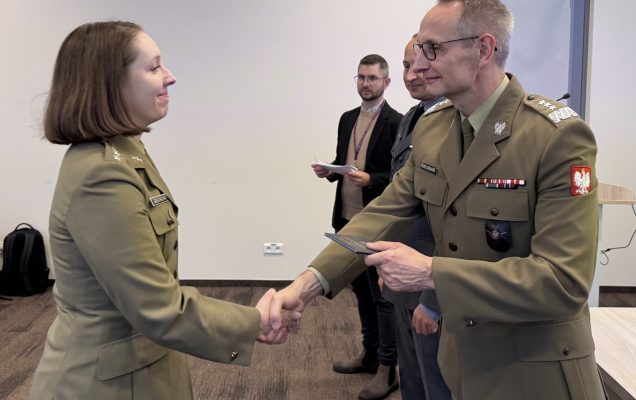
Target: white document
x,y
338,169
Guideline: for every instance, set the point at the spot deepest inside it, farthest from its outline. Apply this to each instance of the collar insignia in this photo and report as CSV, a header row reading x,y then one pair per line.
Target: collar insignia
x,y
499,127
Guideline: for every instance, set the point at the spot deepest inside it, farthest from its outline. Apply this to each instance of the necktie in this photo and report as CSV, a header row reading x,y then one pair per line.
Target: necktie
x,y
467,133
416,116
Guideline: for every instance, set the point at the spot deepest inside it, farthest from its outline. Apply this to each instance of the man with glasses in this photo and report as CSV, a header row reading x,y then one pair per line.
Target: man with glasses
x,y
365,137
417,313
507,182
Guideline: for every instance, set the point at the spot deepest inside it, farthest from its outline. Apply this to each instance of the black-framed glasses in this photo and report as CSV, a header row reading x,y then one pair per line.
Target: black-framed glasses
x,y
429,48
371,79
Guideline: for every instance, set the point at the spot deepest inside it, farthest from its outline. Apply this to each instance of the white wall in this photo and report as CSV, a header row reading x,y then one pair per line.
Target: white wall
x,y
260,88
611,108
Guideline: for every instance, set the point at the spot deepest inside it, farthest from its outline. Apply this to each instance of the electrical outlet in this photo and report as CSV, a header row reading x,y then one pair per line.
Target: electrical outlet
x,y
272,248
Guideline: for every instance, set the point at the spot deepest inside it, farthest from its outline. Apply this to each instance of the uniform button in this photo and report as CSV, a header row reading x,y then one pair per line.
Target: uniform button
x,y
494,212
566,350
401,159
422,192
531,97
453,211
471,323
452,246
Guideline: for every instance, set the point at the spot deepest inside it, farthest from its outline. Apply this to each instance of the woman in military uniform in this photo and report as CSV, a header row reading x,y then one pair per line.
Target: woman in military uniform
x,y
123,320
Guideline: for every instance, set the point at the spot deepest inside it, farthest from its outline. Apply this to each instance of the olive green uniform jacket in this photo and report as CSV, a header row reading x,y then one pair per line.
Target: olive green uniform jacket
x,y
515,321
121,311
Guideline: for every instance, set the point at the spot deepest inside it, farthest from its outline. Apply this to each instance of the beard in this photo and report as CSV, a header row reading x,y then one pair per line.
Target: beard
x,y
370,95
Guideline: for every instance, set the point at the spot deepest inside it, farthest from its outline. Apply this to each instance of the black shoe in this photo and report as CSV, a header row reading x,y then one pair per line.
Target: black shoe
x,y
356,365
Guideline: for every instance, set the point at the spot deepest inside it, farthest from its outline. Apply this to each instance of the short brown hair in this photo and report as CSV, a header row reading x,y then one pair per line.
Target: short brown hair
x,y
373,59
85,103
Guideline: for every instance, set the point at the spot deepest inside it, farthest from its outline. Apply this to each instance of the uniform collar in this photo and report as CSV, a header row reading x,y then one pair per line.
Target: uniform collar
x,y
478,117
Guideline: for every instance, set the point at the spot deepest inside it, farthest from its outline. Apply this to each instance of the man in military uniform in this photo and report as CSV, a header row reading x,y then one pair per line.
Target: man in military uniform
x,y
416,324
507,182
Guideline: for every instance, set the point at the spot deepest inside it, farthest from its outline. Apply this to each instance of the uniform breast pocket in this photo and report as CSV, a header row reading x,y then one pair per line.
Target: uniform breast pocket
x,y
430,188
164,222
501,210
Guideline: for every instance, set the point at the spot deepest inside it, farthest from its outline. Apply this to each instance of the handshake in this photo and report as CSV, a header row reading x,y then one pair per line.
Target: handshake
x,y
288,321
401,267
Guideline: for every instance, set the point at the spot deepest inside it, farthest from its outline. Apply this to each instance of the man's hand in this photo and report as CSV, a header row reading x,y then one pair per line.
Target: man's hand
x,y
289,321
359,178
423,323
294,297
402,268
320,171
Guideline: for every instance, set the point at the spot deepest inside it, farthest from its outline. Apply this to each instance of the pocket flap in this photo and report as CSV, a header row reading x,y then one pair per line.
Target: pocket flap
x,y
555,342
163,218
430,188
127,355
498,204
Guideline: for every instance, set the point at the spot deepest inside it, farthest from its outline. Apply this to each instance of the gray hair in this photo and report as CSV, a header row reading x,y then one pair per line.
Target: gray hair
x,y
487,16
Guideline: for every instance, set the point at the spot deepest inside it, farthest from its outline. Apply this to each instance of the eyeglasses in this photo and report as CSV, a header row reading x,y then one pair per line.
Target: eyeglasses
x,y
429,48
371,79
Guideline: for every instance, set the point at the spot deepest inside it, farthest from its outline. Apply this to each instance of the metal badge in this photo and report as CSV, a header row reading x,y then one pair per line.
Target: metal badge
x,y
428,167
498,235
155,201
116,154
499,127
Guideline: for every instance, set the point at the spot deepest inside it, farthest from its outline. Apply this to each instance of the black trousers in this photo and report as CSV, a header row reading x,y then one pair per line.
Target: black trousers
x,y
376,315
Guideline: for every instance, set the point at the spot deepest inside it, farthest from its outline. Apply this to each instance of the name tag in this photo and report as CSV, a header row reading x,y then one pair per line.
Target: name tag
x,y
155,201
428,167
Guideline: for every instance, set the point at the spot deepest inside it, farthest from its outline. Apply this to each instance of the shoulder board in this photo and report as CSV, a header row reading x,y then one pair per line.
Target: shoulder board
x,y
439,106
551,109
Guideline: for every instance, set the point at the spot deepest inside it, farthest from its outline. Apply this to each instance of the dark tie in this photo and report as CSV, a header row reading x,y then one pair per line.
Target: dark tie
x,y
467,133
416,116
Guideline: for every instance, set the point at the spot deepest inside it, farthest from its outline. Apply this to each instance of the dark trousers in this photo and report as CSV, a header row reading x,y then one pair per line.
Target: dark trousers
x,y
420,377
376,315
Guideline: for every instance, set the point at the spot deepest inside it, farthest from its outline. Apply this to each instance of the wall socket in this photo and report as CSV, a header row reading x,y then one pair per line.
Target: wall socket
x,y
272,248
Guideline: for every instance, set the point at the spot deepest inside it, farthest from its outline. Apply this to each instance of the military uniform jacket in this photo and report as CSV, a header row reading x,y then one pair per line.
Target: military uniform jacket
x,y
516,323
418,235
121,311
378,159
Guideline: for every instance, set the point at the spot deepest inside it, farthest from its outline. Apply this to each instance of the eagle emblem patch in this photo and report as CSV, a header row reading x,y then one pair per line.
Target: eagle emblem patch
x,y
581,180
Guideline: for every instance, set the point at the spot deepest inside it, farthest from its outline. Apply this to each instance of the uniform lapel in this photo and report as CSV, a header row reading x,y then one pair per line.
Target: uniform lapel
x,y
483,151
133,150
451,151
401,141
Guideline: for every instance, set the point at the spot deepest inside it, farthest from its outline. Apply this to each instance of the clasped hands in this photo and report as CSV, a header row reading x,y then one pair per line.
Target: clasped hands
x,y
289,321
401,267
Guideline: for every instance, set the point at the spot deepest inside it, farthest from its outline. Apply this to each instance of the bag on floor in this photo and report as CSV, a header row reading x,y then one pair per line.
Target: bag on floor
x,y
24,270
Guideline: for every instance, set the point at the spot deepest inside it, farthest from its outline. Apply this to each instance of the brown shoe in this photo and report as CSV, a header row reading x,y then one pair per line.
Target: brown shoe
x,y
356,365
383,384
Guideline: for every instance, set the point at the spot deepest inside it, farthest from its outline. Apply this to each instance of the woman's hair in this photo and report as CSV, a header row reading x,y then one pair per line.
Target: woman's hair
x,y
85,103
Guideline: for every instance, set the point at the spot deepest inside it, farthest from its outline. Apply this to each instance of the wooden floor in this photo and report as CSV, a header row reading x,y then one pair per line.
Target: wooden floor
x,y
299,369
